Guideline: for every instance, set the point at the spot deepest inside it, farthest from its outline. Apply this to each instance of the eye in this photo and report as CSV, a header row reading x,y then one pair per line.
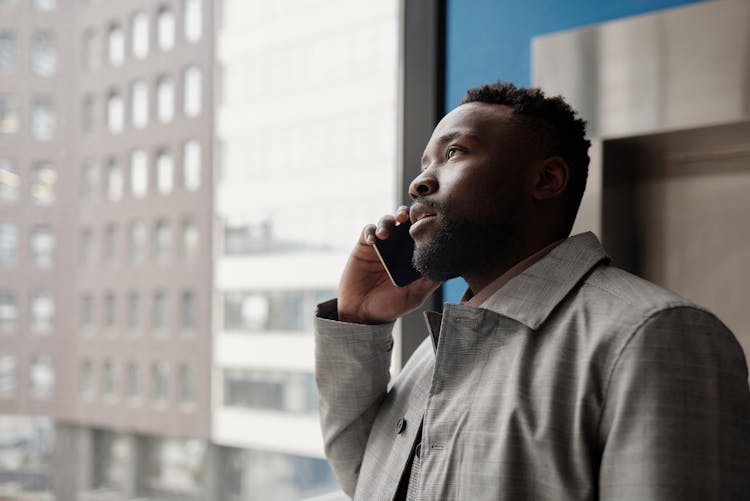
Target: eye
x,y
451,152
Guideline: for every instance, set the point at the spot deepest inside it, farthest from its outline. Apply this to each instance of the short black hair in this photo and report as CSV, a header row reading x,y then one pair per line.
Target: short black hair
x,y
556,125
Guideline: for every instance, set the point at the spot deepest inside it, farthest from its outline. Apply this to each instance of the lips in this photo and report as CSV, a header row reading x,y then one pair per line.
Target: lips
x,y
420,216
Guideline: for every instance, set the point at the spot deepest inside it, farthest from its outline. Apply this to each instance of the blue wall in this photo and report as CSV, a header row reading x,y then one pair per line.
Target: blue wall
x,y
490,40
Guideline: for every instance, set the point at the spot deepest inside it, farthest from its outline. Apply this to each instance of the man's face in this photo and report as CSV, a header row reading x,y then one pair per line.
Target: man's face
x,y
468,198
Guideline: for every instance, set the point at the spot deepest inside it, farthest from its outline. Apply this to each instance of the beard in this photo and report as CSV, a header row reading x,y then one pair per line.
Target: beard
x,y
461,247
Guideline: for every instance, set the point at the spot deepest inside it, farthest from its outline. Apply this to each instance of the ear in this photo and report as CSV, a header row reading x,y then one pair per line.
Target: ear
x,y
550,178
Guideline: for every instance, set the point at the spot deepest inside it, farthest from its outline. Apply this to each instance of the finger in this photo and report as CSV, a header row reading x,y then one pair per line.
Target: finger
x,y
402,214
368,235
384,226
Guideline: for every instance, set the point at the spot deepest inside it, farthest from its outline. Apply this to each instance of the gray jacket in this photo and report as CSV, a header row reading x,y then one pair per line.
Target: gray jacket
x,y
575,381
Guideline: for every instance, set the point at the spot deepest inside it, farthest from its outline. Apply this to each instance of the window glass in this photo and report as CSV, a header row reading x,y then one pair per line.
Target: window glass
x,y
165,99
45,4
8,311
42,311
90,181
110,244
115,112
43,119
139,173
115,181
193,25
190,241
42,247
192,165
192,91
115,45
140,35
43,53
110,310
8,245
187,384
7,375
9,120
134,311
89,113
87,311
163,242
187,310
180,466
9,181
88,247
159,382
164,172
272,311
133,383
90,50
270,390
139,110
109,382
43,183
165,29
41,376
8,52
87,378
159,318
137,242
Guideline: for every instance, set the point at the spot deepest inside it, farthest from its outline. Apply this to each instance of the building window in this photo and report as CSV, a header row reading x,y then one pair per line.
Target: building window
x,y
187,385
165,99
139,110
43,54
134,311
193,26
163,241
41,376
190,241
140,35
90,181
139,173
89,113
8,52
110,310
87,311
87,378
8,245
8,311
9,181
42,312
7,375
192,165
187,310
270,390
110,244
109,382
164,172
90,59
9,121
115,181
43,183
159,320
133,381
159,381
45,5
115,112
115,45
43,119
192,91
88,247
165,29
137,242
272,311
42,247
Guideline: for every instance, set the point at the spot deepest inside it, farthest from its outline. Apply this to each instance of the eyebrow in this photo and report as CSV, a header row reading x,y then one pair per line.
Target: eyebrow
x,y
451,136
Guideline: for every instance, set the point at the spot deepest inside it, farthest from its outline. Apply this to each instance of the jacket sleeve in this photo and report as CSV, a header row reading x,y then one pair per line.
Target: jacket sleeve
x,y
676,419
352,371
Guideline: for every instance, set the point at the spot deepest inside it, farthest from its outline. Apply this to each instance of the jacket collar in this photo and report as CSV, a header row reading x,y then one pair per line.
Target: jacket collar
x,y
530,297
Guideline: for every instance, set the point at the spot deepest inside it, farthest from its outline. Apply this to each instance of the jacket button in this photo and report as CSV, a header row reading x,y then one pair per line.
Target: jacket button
x,y
400,425
389,345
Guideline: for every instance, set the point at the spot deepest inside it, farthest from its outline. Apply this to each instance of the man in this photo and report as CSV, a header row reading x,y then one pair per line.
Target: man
x,y
559,376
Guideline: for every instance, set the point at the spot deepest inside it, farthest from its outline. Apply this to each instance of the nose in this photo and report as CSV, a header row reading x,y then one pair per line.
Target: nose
x,y
423,185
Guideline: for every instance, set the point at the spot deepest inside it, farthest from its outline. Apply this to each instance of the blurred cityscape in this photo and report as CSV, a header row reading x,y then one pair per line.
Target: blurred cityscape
x,y
180,184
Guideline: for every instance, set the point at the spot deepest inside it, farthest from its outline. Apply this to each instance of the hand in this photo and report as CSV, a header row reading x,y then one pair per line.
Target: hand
x,y
366,293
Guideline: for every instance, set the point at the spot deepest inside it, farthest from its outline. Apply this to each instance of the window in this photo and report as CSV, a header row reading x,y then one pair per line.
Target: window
x,y
87,311
88,247
90,54
8,311
41,376
159,320
43,183
140,35
43,54
90,181
42,247
272,390
165,99
139,110
7,375
9,181
9,121
134,311
87,378
139,173
190,241
164,172
115,45
109,382
133,381
191,165
187,310
159,376
8,52
115,181
187,384
193,25
89,113
163,241
272,311
192,91
115,112
43,119
110,310
110,244
137,242
8,245
42,311
165,29
45,4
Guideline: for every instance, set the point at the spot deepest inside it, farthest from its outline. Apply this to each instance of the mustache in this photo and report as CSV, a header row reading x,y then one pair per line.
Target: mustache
x,y
429,203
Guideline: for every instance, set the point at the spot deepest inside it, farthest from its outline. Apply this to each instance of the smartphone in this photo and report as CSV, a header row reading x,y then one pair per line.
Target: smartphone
x,y
396,252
